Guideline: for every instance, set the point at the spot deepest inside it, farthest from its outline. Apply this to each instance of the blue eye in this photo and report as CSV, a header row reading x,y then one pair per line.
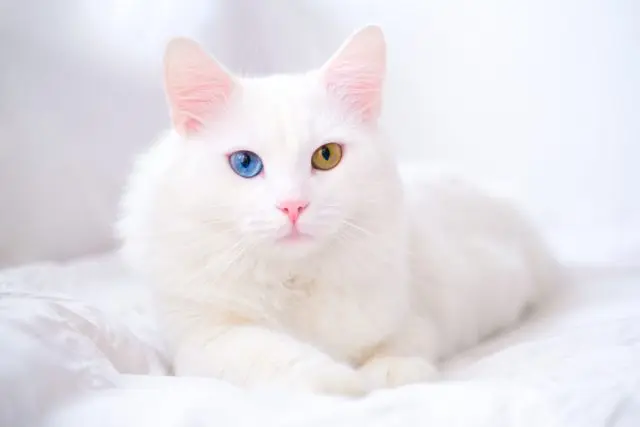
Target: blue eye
x,y
245,163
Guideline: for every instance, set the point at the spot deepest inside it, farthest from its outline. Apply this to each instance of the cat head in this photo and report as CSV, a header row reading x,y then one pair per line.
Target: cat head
x,y
283,164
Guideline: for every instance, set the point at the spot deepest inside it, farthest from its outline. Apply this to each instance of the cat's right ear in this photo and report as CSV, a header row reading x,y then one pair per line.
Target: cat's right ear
x,y
197,87
356,72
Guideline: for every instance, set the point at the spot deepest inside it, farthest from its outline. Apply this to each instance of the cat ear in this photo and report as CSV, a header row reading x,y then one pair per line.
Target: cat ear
x,y
356,72
197,87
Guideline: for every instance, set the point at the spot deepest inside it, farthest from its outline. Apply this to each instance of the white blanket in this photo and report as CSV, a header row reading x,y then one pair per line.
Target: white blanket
x,y
79,349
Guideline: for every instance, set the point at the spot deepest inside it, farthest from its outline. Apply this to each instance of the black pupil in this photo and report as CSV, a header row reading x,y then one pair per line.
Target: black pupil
x,y
326,153
245,160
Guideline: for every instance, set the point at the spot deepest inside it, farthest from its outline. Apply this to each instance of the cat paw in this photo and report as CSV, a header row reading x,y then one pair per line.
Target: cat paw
x,y
335,379
389,371
342,381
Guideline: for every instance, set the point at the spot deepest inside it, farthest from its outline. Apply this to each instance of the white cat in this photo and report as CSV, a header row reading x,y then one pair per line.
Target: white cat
x,y
285,248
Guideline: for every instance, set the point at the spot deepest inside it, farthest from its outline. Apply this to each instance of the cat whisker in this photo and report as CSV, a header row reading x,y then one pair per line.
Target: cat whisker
x,y
200,239
215,221
213,265
357,227
232,260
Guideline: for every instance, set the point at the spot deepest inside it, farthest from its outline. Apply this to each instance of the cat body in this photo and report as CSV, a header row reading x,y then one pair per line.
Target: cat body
x,y
285,247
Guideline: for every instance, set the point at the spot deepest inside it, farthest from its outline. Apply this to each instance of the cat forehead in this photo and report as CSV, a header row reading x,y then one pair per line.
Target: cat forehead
x,y
282,93
293,109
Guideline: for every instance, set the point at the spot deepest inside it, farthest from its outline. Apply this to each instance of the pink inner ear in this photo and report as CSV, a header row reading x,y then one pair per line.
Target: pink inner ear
x,y
357,87
356,72
197,99
197,86
192,125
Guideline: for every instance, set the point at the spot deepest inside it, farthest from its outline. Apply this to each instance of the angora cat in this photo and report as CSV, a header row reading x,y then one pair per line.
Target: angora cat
x,y
284,247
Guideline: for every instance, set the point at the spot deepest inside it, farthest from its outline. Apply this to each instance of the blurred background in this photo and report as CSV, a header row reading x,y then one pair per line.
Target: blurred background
x,y
540,98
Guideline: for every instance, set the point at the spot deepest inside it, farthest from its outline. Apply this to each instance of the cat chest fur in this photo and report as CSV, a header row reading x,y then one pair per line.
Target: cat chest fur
x,y
344,315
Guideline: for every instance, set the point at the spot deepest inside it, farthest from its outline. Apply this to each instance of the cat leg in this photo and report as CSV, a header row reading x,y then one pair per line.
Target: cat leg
x,y
394,371
405,358
254,356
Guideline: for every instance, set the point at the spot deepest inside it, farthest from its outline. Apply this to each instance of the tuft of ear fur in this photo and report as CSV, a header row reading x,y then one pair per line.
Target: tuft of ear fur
x,y
356,72
197,87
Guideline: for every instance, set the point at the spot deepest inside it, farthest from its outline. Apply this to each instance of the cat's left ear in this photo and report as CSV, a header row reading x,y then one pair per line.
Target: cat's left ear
x,y
355,74
197,86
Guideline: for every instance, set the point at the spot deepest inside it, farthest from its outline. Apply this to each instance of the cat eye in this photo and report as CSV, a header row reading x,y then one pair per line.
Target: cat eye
x,y
327,156
247,164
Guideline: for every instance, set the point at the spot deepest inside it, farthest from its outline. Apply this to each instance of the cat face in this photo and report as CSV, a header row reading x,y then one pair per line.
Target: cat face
x,y
283,164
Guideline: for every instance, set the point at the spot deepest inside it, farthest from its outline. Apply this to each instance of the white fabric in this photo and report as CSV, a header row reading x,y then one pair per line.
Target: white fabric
x,y
67,329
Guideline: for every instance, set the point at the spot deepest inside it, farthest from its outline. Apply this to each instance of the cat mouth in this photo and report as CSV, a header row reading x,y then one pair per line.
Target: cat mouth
x,y
295,235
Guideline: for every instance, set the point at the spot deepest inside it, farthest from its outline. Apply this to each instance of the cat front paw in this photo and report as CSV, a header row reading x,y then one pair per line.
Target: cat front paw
x,y
333,379
390,371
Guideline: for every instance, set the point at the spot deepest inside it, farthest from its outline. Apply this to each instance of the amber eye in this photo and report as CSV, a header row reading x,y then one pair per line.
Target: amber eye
x,y
327,156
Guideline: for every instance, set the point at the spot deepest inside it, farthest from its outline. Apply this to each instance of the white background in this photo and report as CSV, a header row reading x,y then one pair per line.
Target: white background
x,y
539,97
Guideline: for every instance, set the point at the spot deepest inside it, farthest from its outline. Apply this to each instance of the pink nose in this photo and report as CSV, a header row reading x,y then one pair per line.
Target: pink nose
x,y
293,208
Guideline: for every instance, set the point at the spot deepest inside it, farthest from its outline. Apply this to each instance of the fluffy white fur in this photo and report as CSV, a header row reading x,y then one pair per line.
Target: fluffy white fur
x,y
399,271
